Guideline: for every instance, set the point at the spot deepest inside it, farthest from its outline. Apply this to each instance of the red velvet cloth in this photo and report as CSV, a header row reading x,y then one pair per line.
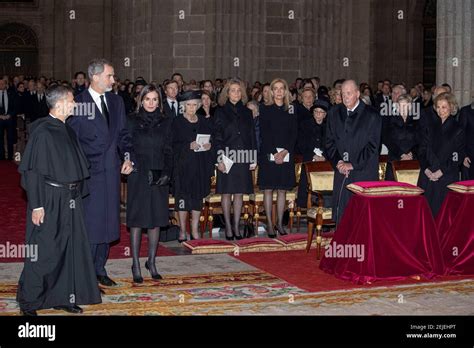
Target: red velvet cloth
x,y
374,184
398,236
455,223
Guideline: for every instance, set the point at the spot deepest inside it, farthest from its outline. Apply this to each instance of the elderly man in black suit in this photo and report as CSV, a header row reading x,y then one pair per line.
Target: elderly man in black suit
x,y
352,144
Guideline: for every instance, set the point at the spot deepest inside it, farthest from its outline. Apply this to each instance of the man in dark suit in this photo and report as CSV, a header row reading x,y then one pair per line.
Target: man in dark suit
x,y
352,142
29,100
100,124
383,97
40,108
7,120
170,104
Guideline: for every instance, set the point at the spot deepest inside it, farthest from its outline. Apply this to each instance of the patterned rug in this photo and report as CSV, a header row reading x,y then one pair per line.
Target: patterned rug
x,y
259,293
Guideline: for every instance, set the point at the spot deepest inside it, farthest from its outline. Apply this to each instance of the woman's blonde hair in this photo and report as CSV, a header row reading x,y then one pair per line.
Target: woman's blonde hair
x,y
451,99
224,95
286,100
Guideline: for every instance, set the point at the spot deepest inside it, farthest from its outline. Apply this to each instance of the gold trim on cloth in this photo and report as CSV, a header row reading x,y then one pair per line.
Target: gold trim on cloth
x,y
321,181
409,176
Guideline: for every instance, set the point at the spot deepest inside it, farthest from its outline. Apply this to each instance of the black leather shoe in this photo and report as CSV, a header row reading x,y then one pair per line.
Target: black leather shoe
x,y
70,309
31,313
106,281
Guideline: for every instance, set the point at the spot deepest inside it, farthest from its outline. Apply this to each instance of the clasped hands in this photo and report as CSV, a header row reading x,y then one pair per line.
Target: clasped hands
x,y
344,167
280,156
433,176
406,156
4,117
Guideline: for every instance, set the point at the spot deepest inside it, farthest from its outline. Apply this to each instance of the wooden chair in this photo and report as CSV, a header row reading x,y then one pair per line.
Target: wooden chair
x,y
256,201
320,179
406,171
383,160
212,205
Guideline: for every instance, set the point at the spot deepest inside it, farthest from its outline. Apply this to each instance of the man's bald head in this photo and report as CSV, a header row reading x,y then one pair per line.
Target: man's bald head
x,y
350,93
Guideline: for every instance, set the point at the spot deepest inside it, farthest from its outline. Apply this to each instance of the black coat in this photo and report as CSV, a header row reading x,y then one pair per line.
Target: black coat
x,y
310,135
443,146
356,140
64,266
105,147
147,206
278,129
466,121
191,170
234,134
400,138
428,116
303,113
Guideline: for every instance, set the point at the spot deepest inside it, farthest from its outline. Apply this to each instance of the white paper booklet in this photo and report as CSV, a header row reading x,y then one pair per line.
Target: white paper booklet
x,y
202,139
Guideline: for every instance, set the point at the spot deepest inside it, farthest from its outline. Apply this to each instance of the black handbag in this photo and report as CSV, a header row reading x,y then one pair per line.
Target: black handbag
x,y
157,178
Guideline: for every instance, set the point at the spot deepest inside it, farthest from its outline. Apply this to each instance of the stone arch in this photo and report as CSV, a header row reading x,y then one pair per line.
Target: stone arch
x,y
18,49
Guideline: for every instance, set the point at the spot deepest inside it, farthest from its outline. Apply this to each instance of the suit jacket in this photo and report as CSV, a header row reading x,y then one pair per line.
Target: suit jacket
x,y
103,146
11,110
40,108
167,110
354,139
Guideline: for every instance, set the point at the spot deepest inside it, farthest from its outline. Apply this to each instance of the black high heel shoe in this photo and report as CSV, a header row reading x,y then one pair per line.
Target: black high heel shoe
x,y
274,235
280,231
237,237
231,237
137,278
154,276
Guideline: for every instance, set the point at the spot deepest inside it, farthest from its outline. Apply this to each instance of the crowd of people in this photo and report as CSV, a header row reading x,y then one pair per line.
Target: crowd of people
x,y
172,137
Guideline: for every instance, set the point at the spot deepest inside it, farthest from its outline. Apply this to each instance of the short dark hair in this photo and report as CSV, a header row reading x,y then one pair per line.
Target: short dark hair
x,y
79,73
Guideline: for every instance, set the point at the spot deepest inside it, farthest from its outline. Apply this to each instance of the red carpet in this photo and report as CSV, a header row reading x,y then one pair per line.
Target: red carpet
x,y
13,217
302,270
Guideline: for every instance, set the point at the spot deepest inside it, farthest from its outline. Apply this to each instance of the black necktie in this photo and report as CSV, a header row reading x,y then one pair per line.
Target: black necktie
x,y
105,111
173,108
350,113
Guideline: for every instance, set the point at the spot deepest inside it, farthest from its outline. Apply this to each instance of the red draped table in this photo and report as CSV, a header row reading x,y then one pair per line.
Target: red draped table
x,y
384,238
455,223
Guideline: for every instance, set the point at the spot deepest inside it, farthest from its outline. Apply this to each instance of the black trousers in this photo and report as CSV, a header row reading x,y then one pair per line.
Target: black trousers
x,y
100,253
9,127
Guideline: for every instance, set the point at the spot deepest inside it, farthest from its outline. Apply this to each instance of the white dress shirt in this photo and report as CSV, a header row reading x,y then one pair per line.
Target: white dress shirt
x,y
96,97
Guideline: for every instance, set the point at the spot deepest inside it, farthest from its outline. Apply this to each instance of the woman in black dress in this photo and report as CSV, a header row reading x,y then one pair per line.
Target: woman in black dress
x,y
234,139
192,162
311,136
441,152
401,135
278,129
147,206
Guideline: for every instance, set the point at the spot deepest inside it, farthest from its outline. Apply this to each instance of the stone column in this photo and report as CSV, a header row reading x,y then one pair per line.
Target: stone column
x,y
455,47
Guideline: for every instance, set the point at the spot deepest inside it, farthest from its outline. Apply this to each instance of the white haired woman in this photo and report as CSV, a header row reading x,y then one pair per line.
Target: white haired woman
x,y
192,162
